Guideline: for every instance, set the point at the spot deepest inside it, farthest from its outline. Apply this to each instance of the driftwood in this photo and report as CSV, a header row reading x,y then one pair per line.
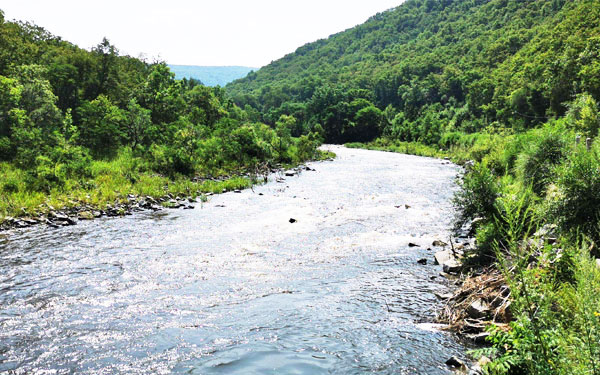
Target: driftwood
x,y
482,300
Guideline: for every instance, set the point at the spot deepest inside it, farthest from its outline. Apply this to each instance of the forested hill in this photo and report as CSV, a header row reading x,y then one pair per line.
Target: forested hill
x,y
211,75
89,127
432,67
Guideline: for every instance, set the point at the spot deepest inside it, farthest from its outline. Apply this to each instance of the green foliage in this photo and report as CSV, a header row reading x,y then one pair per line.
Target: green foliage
x,y
577,204
102,126
477,196
537,162
95,123
583,115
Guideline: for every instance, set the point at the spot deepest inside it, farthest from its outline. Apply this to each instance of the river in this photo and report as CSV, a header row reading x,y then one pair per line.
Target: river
x,y
233,287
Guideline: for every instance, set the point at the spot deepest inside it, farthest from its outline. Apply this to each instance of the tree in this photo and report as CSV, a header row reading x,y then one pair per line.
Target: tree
x,y
283,130
101,127
137,124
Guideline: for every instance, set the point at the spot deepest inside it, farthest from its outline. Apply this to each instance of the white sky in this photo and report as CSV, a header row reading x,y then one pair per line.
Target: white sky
x,y
187,32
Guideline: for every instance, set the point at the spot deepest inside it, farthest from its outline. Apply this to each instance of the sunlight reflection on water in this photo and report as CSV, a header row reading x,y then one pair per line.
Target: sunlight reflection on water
x,y
238,289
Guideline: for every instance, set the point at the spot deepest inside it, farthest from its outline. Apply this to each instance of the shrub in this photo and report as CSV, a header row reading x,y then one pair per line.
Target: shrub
x,y
577,206
536,164
477,196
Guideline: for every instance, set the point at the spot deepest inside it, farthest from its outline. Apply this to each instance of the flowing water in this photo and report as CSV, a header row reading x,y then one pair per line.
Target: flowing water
x,y
233,287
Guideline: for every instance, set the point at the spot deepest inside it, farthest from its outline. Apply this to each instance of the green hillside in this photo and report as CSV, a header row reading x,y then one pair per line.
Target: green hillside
x,y
211,75
431,67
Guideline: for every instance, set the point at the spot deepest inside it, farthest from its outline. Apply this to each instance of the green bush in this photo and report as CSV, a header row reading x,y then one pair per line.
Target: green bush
x,y
577,206
477,196
536,164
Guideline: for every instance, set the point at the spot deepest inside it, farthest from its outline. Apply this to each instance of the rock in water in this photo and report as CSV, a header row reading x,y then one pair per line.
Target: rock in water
x,y
422,261
410,244
455,362
86,215
292,220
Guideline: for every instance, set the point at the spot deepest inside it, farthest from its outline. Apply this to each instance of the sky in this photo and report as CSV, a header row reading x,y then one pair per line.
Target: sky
x,y
186,32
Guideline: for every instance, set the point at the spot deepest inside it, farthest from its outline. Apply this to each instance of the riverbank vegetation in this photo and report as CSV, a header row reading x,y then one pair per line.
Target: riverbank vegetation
x,y
506,87
91,127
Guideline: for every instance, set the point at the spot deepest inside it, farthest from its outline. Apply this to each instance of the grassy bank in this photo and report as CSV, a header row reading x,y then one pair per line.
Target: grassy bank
x,y
533,199
112,181
390,145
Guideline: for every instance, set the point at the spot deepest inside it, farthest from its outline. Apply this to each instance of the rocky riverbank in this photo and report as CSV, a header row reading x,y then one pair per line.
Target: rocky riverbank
x,y
80,210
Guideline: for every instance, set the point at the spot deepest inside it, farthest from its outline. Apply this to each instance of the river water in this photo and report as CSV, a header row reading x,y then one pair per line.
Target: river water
x,y
233,287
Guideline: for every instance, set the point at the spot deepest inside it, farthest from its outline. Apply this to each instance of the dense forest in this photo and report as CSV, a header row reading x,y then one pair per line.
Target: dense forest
x,y
428,70
81,126
511,89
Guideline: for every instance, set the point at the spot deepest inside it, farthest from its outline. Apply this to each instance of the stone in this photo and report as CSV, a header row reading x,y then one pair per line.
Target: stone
x,y
478,309
292,220
451,266
85,215
479,338
290,173
455,362
439,243
443,296
410,244
237,191
442,257
51,224
422,261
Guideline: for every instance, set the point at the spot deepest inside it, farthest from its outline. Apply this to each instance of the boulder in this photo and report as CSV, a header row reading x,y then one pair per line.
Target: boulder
x,y
422,261
292,220
85,215
439,243
479,338
455,363
451,266
478,309
442,257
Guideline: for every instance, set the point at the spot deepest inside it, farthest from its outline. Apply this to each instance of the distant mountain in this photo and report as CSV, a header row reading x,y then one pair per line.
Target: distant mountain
x,y
437,66
211,75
